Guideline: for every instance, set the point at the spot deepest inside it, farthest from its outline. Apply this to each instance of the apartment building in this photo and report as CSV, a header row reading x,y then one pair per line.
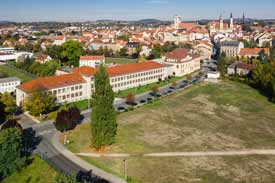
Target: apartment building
x,y
66,88
9,84
184,62
91,61
79,84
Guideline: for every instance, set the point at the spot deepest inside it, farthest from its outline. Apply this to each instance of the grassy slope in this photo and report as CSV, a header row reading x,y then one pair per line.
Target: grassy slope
x,y
37,172
12,72
222,116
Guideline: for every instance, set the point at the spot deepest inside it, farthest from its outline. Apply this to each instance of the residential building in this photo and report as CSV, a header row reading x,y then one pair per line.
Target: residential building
x,y
9,84
253,52
231,48
239,68
184,61
79,84
91,61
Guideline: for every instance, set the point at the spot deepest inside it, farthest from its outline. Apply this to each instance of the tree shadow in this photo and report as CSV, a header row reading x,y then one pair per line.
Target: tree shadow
x,y
30,141
87,176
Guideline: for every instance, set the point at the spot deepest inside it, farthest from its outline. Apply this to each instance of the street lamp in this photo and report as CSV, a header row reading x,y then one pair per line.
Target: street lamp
x,y
125,169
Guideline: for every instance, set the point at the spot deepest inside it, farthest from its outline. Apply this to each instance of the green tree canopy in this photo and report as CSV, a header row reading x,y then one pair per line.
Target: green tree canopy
x,y
71,52
8,102
39,102
11,158
103,124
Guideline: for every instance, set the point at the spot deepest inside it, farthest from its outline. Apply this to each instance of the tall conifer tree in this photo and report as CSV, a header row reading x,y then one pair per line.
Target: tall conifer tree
x,y
103,124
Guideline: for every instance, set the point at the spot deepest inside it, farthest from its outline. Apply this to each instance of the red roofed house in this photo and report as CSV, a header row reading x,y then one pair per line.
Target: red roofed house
x,y
253,52
184,62
79,84
91,61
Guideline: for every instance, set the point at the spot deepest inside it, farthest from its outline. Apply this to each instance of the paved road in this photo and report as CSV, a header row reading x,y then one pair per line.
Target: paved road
x,y
184,154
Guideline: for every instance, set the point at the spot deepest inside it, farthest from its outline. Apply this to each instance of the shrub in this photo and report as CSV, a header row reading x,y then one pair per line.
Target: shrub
x,y
130,99
67,119
155,90
174,84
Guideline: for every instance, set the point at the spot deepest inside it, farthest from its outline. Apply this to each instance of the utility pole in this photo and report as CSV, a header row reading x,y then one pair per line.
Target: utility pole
x,y
125,169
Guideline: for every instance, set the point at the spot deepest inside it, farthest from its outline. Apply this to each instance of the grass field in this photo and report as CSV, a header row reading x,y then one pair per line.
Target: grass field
x,y
11,72
205,117
37,172
119,61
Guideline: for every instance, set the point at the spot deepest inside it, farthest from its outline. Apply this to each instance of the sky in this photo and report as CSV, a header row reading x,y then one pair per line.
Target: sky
x,y
90,10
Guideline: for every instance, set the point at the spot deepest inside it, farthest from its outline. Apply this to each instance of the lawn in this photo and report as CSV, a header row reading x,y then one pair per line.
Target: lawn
x,y
204,117
13,73
81,105
119,61
37,172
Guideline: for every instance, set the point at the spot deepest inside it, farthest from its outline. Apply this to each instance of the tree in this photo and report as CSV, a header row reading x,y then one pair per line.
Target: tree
x,y
8,102
2,113
222,64
155,90
63,121
75,115
11,157
123,52
71,52
39,102
103,124
130,99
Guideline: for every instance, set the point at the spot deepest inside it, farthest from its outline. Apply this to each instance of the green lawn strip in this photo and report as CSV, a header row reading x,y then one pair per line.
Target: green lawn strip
x,y
14,73
38,171
110,60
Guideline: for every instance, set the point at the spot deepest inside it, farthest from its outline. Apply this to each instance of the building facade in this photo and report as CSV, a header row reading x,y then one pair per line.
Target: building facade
x,y
79,84
91,61
231,48
183,62
9,84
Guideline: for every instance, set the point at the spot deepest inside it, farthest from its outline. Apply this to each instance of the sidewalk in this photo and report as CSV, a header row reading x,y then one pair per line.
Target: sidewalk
x,y
75,159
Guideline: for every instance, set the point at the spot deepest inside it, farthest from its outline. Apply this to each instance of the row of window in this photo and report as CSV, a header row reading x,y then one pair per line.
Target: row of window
x,y
121,78
136,81
73,95
9,84
54,92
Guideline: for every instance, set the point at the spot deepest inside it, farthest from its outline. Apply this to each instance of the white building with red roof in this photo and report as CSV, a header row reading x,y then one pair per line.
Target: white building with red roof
x,y
184,62
79,84
91,61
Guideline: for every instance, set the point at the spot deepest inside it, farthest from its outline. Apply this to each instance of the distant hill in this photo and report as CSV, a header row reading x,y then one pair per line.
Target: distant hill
x,y
148,21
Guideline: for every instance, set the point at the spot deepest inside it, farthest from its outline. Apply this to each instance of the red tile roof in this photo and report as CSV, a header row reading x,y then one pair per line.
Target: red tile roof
x,y
187,25
253,51
132,68
120,69
84,70
92,57
52,82
177,54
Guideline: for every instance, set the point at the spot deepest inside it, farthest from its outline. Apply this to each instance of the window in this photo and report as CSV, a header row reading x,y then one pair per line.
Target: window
x,y
80,86
72,95
72,88
80,93
76,87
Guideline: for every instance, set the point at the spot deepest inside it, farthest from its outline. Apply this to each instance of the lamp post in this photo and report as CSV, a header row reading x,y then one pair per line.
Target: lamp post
x,y
125,169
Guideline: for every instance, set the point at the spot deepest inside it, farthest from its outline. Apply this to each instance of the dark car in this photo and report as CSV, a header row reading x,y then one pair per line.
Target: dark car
x,y
121,108
142,101
169,91
149,99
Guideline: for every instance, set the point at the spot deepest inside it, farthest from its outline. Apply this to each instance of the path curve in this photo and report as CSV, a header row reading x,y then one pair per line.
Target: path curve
x,y
184,154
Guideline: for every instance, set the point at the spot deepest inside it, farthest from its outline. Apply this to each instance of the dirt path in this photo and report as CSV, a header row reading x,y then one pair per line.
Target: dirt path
x,y
185,154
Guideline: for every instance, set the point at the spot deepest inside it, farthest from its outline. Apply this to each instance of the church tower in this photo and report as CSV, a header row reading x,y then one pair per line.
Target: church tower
x,y
177,22
221,22
231,21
